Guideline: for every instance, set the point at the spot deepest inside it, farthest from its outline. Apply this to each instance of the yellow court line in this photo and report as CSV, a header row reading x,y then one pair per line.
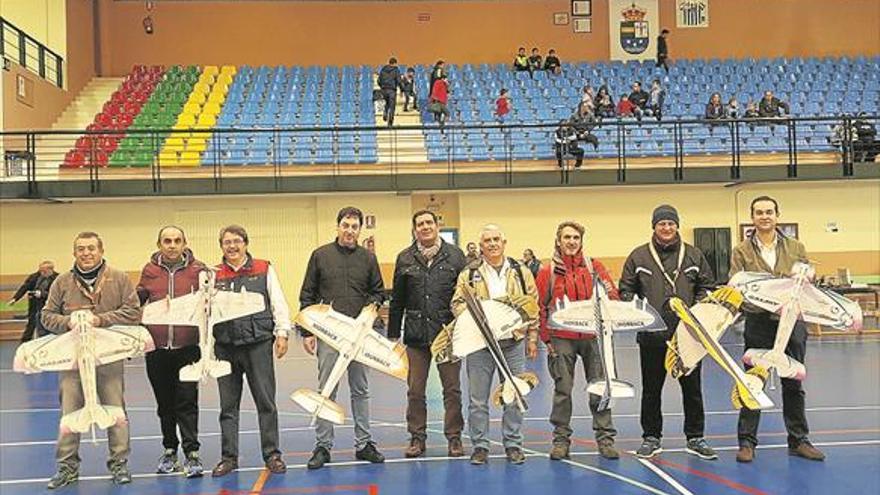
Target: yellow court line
x,y
261,480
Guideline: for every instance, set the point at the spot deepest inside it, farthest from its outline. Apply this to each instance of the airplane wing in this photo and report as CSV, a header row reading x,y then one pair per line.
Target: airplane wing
x,y
121,342
503,320
228,305
763,289
335,329
383,355
715,318
49,353
829,308
580,316
183,310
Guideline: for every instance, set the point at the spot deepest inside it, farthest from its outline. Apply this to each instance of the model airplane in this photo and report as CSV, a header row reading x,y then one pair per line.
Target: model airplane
x,y
204,308
698,333
793,298
602,317
355,340
85,348
481,327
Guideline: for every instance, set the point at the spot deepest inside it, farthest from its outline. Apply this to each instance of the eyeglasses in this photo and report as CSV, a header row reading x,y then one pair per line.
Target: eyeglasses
x,y
232,242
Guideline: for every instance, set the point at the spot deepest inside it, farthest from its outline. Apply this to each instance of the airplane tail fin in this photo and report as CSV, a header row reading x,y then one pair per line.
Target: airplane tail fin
x,y
195,371
751,394
505,394
786,366
318,405
619,389
80,421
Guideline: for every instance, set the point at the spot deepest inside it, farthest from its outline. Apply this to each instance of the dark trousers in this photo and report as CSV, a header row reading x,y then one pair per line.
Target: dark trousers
x,y
653,378
30,328
407,95
255,361
661,62
571,148
390,96
416,408
177,402
760,334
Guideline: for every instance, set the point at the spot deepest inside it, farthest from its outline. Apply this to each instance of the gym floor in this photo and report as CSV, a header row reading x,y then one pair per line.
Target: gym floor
x,y
843,408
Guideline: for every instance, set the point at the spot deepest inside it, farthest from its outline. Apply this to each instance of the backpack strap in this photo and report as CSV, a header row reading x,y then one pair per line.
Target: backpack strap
x,y
518,267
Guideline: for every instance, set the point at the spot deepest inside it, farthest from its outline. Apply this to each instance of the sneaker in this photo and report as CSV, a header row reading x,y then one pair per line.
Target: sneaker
x,y
120,474
320,456
649,448
559,451
63,477
700,448
276,464
369,453
416,448
480,456
607,450
806,450
455,447
515,455
746,453
192,465
168,462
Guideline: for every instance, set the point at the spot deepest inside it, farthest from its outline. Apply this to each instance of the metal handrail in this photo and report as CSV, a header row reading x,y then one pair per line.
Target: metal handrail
x,y
40,65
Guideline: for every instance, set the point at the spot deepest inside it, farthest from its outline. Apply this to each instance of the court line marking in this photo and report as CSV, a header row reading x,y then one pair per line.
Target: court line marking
x,y
750,490
665,476
532,453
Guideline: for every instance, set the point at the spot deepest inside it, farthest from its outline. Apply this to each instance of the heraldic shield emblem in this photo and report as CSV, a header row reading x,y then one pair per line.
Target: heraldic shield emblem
x,y
634,32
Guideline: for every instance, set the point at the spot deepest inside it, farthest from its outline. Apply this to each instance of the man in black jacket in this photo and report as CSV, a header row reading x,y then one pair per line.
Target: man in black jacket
x,y
662,50
424,281
36,286
639,98
663,268
389,80
347,275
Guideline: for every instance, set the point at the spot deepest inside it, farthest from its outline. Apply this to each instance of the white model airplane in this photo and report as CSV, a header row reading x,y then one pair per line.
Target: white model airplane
x,y
355,340
481,327
698,333
602,317
793,298
204,308
85,348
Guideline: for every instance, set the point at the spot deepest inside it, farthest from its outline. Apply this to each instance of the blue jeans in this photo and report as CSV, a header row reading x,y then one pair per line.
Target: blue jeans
x,y
480,370
360,399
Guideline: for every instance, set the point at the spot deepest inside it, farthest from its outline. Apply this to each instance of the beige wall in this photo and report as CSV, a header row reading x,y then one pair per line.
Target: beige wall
x,y
285,229
43,20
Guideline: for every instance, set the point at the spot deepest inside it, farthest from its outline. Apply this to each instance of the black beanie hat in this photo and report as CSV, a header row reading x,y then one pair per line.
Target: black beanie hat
x,y
664,212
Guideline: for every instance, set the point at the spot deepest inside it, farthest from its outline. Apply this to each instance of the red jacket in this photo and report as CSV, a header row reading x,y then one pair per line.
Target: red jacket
x,y
440,91
502,106
156,283
577,284
625,107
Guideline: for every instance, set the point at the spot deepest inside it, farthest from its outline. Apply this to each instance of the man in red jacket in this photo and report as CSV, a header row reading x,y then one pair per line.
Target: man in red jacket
x,y
571,273
173,271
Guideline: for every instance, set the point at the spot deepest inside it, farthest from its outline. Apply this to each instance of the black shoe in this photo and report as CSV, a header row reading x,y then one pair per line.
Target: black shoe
x,y
224,467
370,454
63,477
276,464
320,456
120,473
480,456
515,455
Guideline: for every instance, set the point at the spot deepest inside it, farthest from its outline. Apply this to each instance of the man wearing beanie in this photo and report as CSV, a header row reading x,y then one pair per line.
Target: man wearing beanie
x,y
663,268
570,273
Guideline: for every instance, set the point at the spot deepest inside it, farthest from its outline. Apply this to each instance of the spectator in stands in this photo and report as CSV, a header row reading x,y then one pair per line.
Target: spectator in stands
x,y
625,108
587,97
732,110
751,110
841,136
408,88
521,61
439,99
655,100
602,104
714,109
639,98
552,63
36,286
583,121
438,70
771,106
536,63
566,142
389,81
866,146
502,105
663,50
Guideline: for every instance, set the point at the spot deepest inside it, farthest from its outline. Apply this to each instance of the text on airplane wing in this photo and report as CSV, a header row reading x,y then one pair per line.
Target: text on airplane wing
x,y
830,309
48,353
763,289
383,355
333,328
184,310
121,342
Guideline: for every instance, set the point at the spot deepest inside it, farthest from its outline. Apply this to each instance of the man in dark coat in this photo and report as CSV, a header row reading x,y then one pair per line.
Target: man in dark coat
x,y
36,286
389,81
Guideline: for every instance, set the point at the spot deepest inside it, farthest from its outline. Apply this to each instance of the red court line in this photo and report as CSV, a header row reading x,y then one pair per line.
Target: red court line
x,y
710,476
369,489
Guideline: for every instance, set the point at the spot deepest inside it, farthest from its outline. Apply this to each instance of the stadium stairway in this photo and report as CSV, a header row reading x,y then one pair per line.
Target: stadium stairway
x,y
410,143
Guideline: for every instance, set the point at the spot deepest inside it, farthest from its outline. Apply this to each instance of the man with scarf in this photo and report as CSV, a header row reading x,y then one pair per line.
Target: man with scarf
x,y
663,268
173,271
570,273
424,280
111,298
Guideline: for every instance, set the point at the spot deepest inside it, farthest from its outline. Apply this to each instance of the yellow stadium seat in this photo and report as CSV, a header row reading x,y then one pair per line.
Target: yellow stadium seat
x,y
197,145
220,87
189,158
224,78
211,70
218,98
196,97
201,88
168,158
174,143
207,119
228,69
211,108
186,120
207,79
193,108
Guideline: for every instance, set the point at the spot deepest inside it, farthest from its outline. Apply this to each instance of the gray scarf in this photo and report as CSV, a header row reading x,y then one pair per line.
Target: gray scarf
x,y
431,251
